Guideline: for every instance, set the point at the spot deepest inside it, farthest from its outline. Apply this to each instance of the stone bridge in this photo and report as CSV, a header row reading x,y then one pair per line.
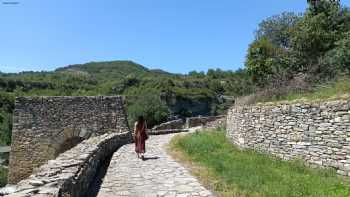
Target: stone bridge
x,y
81,146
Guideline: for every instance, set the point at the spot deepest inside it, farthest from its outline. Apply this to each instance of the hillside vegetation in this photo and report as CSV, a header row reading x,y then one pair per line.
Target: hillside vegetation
x,y
294,53
154,93
339,89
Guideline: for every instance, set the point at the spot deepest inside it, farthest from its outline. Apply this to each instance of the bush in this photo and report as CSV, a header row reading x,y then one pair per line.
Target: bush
x,y
278,29
264,59
339,57
315,44
150,106
3,176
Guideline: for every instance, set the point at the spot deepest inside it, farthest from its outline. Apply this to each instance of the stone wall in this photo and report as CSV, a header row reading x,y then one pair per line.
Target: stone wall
x,y
44,127
200,120
218,123
72,172
166,131
174,124
317,132
177,126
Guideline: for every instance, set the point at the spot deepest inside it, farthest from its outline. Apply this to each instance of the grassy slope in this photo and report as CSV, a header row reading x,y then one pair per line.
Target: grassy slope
x,y
247,173
333,90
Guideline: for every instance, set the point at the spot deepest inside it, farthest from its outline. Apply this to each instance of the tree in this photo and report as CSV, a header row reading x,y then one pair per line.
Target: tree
x,y
319,6
263,60
339,57
278,29
196,74
316,2
317,32
148,105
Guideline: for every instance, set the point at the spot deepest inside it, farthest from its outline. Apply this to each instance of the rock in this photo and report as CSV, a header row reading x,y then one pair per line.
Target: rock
x,y
36,182
8,189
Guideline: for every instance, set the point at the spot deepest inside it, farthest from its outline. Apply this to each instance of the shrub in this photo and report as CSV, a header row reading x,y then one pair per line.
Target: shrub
x,y
3,176
339,57
150,106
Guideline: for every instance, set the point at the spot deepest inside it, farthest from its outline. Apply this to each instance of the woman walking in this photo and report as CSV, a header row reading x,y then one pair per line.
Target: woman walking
x,y
140,137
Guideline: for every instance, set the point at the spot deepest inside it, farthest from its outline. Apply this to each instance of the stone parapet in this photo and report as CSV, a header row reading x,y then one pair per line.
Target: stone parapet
x,y
166,131
174,124
200,121
73,171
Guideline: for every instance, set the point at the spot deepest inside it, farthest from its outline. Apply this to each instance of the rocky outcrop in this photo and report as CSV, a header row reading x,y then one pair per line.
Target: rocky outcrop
x,y
317,132
44,127
72,172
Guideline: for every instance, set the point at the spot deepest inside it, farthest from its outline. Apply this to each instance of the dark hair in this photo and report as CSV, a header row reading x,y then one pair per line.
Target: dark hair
x,y
140,119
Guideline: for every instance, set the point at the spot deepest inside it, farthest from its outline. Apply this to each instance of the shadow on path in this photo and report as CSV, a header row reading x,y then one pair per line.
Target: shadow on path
x,y
95,186
150,158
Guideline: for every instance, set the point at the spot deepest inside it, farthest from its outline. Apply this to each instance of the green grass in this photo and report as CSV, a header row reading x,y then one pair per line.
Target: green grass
x,y
3,176
247,173
336,89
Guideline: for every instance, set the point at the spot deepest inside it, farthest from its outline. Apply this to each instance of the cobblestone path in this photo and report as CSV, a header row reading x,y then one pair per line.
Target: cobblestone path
x,y
158,175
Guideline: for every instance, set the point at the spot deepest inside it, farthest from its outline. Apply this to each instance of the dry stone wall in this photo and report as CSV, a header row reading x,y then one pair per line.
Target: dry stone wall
x,y
174,124
177,126
218,123
317,132
71,173
200,121
44,127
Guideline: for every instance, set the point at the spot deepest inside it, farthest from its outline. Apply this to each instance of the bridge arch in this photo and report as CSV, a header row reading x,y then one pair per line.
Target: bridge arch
x,y
45,127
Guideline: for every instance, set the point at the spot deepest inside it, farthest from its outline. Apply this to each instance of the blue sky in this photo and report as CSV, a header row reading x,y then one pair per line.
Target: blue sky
x,y
173,35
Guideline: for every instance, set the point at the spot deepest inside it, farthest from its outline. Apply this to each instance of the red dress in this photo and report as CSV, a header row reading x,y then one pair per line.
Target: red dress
x,y
140,137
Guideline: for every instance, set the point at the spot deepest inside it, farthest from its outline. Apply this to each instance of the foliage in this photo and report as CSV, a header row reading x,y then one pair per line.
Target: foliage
x,y
317,33
314,43
149,105
6,108
3,176
339,56
319,6
332,90
153,93
247,173
278,29
196,74
264,60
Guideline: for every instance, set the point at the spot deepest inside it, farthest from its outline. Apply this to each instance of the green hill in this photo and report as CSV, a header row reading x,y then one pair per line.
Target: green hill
x,y
157,94
104,71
